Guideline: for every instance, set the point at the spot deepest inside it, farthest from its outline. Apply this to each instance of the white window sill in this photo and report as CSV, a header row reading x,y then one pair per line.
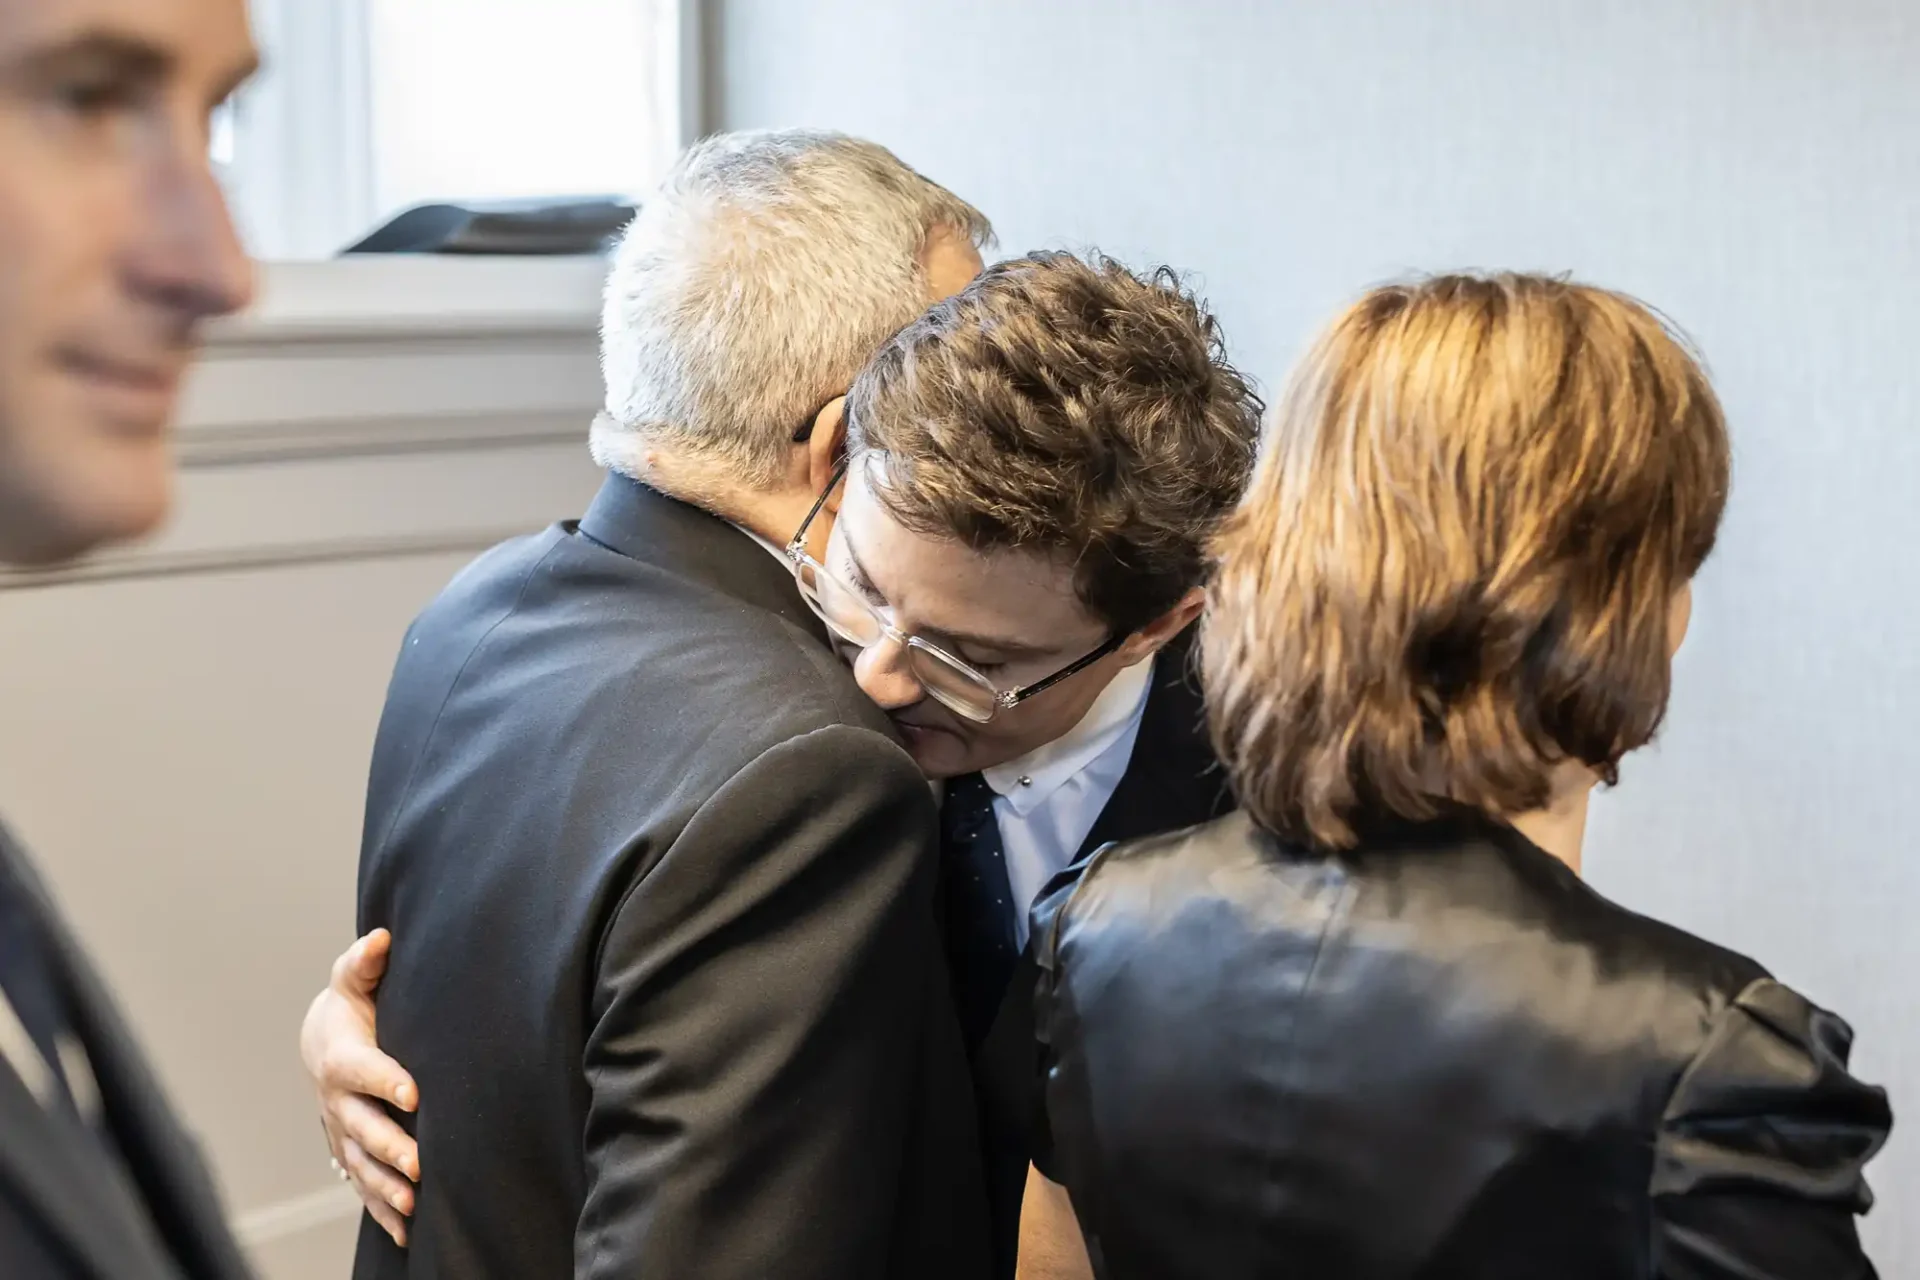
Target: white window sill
x,y
406,296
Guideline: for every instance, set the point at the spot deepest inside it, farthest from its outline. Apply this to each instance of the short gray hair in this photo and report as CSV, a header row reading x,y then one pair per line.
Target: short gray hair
x,y
753,286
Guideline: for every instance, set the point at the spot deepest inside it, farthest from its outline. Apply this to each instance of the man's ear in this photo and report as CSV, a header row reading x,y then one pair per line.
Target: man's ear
x,y
1150,639
825,446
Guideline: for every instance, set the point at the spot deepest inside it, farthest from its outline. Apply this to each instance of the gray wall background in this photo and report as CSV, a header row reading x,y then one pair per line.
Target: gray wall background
x,y
1750,166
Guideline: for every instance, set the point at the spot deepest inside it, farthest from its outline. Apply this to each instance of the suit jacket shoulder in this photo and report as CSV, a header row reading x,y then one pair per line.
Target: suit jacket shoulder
x,y
622,775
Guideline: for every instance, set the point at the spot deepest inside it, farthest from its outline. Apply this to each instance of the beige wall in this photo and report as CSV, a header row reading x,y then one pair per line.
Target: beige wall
x,y
1752,166
187,724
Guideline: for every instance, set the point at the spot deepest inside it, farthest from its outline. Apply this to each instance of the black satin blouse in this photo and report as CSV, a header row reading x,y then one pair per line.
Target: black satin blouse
x,y
1440,1056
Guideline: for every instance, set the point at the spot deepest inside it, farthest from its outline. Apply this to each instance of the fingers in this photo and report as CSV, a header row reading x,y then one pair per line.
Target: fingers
x,y
391,1220
365,1125
358,969
351,1075
379,1186
351,1063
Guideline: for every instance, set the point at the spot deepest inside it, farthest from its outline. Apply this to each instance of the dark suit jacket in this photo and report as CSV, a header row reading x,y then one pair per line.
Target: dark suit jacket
x,y
1172,780
660,881
1438,1056
67,1208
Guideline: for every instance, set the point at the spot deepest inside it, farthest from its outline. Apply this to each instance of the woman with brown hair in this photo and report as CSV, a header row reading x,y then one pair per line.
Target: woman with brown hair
x,y
1374,1027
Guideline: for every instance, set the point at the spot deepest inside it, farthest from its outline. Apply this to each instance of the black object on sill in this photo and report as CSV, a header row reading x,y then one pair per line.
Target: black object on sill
x,y
545,227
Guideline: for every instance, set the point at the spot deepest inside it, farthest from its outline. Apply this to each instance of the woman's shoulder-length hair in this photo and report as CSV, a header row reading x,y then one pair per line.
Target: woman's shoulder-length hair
x,y
1455,565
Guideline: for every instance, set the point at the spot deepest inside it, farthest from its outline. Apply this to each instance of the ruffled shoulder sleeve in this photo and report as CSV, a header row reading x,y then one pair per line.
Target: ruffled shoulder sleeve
x,y
1758,1172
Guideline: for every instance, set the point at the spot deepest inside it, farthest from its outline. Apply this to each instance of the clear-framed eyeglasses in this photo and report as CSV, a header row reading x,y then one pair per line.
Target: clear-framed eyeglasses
x,y
950,681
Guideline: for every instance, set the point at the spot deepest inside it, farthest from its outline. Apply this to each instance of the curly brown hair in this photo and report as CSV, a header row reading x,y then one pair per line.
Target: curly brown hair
x,y
1455,565
1067,406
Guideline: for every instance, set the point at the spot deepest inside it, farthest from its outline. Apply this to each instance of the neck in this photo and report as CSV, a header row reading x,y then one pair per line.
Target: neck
x,y
1560,826
773,514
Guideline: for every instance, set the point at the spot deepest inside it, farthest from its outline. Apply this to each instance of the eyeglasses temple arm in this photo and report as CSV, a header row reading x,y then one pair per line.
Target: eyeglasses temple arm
x,y
1018,696
797,545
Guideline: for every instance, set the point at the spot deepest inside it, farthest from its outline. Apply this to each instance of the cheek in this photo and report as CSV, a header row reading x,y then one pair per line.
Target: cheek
x,y
63,457
68,218
25,287
57,278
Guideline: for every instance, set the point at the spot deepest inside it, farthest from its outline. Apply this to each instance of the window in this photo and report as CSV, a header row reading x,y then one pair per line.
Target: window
x,y
370,106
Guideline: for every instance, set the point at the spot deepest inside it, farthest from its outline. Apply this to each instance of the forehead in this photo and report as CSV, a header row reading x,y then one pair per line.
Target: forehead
x,y
938,585
201,36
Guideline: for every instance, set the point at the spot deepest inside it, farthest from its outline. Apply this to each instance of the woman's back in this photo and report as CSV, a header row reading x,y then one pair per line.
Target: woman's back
x,y
1437,1054
1342,1039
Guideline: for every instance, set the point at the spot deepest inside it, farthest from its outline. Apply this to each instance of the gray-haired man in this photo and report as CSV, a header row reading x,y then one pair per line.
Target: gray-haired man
x,y
659,874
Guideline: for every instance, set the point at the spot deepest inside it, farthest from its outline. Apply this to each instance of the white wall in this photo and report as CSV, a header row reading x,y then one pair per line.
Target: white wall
x,y
1751,166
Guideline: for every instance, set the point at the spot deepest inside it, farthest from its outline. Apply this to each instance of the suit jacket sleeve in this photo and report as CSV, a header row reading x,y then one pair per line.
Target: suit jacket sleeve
x,y
1758,1172
758,1004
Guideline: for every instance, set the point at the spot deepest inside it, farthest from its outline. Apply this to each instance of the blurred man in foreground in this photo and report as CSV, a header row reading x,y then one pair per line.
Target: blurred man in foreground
x,y
114,246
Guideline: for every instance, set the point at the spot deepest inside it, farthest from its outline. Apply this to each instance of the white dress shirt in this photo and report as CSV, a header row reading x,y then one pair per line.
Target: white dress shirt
x,y
1048,800
18,1050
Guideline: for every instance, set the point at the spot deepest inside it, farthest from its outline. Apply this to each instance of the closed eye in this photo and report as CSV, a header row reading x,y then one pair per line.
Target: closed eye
x,y
92,97
856,577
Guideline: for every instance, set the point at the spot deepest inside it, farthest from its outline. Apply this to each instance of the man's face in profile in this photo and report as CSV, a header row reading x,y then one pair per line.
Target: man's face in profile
x,y
1014,616
115,244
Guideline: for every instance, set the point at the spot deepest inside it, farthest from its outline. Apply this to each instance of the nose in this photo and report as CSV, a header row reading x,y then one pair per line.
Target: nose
x,y
189,258
884,675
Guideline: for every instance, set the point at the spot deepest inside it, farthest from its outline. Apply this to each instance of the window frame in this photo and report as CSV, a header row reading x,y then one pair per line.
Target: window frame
x,y
301,175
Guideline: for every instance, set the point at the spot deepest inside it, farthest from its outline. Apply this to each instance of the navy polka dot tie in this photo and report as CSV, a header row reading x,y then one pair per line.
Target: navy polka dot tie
x,y
979,906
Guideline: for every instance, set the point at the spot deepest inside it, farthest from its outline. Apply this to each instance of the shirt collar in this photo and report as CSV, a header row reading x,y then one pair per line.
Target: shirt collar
x,y
1027,781
778,553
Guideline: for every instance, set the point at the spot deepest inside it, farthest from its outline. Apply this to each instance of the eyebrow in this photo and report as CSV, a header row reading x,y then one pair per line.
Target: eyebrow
x,y
999,644
120,55
125,55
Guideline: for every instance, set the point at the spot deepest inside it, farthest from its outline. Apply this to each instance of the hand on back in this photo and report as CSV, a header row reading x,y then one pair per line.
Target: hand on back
x,y
356,1083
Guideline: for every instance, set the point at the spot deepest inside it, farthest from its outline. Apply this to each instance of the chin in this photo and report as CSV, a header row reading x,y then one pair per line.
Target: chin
x,y
939,753
129,504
